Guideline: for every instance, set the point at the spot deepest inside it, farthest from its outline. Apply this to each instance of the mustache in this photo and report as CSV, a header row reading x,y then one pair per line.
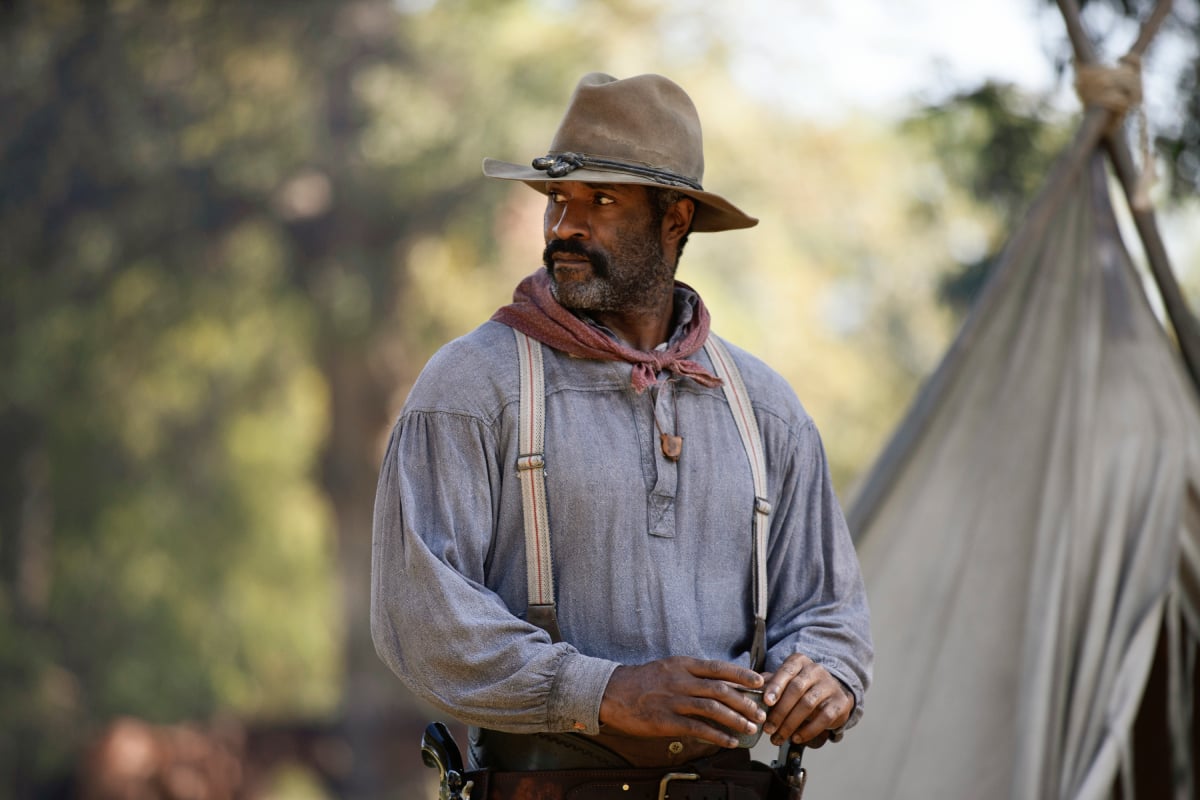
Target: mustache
x,y
575,247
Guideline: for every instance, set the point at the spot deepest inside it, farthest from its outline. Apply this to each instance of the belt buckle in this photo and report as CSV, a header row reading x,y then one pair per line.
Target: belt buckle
x,y
674,776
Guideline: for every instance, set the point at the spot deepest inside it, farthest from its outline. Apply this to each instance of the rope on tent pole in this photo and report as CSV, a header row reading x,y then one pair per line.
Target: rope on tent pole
x,y
1187,333
1117,88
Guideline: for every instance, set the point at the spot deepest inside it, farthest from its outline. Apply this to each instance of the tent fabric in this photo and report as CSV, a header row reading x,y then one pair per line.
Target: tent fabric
x,y
1039,530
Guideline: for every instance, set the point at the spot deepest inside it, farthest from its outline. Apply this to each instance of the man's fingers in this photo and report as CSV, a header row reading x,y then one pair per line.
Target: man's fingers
x,y
795,713
713,669
830,714
707,733
814,713
716,712
806,701
793,669
682,696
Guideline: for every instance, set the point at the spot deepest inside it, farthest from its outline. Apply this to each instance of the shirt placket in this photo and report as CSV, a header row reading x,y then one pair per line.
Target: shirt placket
x,y
664,405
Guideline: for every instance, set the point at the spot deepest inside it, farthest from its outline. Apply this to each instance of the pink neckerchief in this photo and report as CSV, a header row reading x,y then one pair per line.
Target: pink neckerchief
x,y
536,313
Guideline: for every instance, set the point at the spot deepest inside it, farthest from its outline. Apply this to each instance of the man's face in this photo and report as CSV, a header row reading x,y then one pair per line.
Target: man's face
x,y
604,247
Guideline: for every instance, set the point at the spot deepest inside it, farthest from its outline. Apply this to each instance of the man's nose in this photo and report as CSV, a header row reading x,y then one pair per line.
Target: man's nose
x,y
571,222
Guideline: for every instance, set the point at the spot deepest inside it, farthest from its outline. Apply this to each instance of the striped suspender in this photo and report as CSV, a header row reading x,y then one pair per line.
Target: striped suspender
x,y
531,469
743,416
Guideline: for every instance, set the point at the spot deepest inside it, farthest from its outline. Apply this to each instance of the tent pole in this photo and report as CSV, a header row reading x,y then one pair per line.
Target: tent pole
x,y
1086,54
1187,333
869,494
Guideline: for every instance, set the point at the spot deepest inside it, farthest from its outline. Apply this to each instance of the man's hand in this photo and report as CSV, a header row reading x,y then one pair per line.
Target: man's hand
x,y
807,703
681,697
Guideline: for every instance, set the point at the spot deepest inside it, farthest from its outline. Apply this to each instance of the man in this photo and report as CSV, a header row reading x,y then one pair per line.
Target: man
x,y
649,492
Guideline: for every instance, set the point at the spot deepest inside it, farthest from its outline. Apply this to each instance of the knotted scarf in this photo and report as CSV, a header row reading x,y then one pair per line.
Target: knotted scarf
x,y
536,313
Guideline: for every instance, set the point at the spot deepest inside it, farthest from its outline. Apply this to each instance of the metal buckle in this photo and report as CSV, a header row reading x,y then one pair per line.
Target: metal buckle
x,y
674,776
530,461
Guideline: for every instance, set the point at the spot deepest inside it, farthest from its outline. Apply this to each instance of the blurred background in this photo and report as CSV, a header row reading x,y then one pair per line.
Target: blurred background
x,y
231,234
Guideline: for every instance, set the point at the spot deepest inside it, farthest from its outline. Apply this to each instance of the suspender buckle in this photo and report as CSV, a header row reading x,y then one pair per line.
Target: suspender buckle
x,y
531,461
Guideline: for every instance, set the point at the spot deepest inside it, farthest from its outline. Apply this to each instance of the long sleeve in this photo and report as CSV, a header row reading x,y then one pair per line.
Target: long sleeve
x,y
817,600
435,622
651,555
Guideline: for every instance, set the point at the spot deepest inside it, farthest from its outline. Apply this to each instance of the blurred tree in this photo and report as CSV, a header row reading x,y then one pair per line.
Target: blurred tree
x,y
230,235
997,144
210,218
164,552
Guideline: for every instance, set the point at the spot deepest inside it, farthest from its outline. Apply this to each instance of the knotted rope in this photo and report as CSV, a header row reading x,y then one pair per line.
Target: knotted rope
x,y
1118,89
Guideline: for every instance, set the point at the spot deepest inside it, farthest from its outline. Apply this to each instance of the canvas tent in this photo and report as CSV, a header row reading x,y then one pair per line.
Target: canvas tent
x,y
1030,538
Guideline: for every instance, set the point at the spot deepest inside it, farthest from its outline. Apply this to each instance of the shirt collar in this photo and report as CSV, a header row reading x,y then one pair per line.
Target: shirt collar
x,y
685,308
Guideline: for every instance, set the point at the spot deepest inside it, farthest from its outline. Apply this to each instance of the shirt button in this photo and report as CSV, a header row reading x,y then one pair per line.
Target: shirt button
x,y
675,747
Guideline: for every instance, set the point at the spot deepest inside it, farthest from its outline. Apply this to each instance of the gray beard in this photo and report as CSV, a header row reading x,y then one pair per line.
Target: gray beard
x,y
633,278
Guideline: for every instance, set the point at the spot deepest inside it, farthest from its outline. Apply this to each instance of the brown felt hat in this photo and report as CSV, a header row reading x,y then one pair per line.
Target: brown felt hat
x,y
642,130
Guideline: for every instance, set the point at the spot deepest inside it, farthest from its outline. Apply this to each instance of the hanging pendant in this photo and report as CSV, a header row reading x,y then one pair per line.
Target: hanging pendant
x,y
672,446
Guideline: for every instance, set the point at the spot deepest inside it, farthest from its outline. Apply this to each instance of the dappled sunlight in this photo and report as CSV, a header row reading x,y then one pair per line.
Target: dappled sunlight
x,y
232,236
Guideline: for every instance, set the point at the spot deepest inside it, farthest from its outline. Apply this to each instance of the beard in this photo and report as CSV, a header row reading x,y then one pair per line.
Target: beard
x,y
632,276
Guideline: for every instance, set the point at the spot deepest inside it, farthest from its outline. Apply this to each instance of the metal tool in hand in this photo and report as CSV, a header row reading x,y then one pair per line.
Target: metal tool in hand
x,y
439,752
788,767
795,774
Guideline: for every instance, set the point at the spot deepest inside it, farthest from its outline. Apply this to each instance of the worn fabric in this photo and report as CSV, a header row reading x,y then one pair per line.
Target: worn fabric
x,y
640,130
1039,532
536,313
652,557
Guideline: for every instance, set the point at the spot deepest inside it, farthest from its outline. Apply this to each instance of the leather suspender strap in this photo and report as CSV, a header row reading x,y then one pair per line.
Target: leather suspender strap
x,y
747,425
531,464
531,467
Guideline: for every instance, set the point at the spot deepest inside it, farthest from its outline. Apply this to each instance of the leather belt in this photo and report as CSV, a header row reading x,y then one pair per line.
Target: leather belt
x,y
730,775
627,784
559,751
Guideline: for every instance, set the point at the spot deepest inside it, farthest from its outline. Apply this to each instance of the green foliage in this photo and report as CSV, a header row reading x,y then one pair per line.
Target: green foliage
x,y
210,215
166,553
993,141
230,236
998,145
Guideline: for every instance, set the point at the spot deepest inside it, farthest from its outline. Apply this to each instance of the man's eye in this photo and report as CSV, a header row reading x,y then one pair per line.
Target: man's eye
x,y
604,200
555,197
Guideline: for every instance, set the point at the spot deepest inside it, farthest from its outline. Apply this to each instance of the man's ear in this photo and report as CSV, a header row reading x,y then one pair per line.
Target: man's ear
x,y
677,221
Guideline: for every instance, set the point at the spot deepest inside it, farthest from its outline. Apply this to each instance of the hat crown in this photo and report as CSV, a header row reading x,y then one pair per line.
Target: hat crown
x,y
642,130
646,119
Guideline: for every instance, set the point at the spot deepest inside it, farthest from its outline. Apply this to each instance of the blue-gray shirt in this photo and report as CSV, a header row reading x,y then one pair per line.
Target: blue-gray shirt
x,y
652,557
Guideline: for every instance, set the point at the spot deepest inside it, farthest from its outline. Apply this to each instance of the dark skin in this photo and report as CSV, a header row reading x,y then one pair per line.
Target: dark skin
x,y
600,216
680,696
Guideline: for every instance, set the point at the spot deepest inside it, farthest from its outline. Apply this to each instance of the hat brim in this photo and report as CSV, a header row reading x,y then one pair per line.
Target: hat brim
x,y
713,212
